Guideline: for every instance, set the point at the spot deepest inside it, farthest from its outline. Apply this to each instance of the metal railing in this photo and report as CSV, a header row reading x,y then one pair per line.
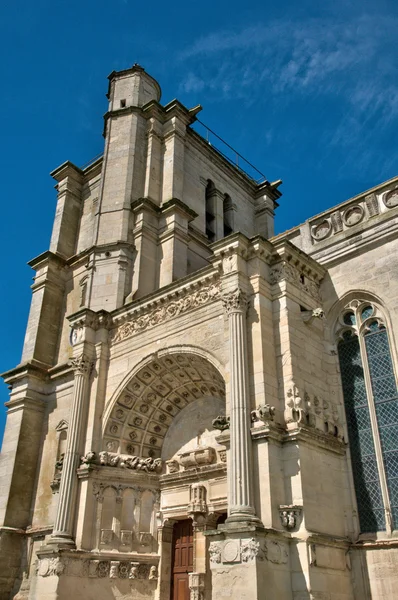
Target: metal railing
x,y
228,152
91,162
219,145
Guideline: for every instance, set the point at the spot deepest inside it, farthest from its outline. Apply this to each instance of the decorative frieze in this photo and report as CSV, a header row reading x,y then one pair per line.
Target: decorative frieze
x,y
126,461
247,550
165,309
112,569
51,566
357,211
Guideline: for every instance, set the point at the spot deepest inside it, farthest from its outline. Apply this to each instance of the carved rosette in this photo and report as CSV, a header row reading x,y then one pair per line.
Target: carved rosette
x,y
235,301
82,364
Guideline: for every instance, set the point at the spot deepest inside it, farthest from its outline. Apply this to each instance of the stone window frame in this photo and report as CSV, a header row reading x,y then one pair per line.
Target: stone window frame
x,y
359,328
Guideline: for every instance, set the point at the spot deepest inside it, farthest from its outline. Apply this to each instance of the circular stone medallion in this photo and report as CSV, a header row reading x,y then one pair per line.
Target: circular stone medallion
x,y
321,230
391,198
353,215
230,551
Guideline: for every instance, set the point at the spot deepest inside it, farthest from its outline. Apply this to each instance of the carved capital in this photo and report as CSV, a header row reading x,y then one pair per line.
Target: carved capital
x,y
235,301
82,364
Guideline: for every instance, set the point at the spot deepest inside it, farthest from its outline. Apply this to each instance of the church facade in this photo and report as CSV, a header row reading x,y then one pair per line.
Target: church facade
x,y
203,410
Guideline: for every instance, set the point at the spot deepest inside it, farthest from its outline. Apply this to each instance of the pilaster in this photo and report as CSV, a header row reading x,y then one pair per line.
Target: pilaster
x,y
83,339
173,241
18,463
46,311
146,271
153,175
69,206
173,158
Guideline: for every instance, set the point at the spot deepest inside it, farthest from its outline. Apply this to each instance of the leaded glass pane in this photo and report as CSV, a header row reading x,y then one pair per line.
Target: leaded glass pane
x,y
385,397
364,465
367,312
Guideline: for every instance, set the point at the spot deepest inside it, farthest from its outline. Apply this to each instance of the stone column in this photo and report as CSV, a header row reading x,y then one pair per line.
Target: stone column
x,y
240,486
63,528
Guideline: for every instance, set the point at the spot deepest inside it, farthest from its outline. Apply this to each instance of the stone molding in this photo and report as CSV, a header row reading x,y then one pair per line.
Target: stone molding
x,y
357,211
167,308
285,271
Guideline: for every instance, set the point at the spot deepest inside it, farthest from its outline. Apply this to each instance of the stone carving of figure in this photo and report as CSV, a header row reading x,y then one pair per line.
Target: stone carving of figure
x,y
133,571
291,520
153,573
284,518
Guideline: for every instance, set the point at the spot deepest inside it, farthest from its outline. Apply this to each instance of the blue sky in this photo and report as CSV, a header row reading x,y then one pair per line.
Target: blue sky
x,y
307,91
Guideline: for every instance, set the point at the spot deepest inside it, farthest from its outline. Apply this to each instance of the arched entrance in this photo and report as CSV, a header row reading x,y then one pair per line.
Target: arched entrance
x,y
153,399
164,413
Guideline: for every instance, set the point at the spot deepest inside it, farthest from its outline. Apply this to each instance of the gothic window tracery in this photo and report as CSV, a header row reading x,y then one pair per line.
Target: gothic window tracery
x,y
371,404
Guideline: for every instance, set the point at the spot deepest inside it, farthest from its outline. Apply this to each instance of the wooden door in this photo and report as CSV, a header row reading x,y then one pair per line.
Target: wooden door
x,y
182,559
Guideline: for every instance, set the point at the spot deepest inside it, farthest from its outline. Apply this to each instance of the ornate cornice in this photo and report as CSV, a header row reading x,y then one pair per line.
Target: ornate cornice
x,y
167,308
284,271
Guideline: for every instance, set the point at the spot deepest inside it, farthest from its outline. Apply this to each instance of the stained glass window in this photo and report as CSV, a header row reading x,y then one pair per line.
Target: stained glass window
x,y
363,455
385,398
360,362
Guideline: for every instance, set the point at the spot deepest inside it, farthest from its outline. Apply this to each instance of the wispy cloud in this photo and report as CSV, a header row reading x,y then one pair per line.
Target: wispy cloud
x,y
352,63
